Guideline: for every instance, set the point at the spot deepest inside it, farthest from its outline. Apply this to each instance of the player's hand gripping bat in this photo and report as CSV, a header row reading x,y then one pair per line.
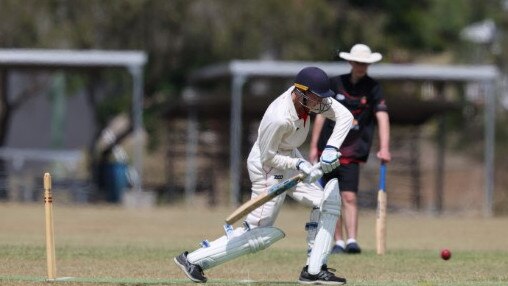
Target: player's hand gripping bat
x,y
271,193
381,212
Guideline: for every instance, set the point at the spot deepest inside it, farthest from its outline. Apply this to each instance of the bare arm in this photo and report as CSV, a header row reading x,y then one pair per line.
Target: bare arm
x,y
319,121
383,122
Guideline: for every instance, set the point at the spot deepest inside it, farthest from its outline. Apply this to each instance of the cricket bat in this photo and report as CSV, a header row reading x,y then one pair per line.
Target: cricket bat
x,y
271,193
381,212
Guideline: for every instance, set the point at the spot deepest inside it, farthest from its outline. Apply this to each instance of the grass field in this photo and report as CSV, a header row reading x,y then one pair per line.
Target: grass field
x,y
119,246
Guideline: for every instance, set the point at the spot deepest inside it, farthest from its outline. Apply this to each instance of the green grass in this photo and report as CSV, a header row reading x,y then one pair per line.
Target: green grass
x,y
117,246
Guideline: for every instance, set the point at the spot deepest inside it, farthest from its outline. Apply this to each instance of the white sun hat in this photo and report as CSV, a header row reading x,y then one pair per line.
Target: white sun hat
x,y
361,53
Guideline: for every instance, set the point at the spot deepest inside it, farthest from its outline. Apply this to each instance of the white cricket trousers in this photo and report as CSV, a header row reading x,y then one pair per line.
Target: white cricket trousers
x,y
263,178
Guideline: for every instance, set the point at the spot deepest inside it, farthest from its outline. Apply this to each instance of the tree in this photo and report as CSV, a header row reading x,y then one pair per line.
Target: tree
x,y
181,35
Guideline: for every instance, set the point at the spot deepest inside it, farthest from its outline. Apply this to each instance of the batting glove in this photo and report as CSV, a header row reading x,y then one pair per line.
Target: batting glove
x,y
329,159
312,175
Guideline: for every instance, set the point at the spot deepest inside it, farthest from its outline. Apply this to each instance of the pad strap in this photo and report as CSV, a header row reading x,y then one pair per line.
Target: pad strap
x,y
312,227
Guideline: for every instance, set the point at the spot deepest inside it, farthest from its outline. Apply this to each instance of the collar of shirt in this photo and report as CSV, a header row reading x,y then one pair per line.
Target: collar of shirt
x,y
295,115
349,80
303,115
290,105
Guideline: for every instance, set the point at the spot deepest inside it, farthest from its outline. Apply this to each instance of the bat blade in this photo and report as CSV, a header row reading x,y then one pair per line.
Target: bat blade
x,y
381,213
272,192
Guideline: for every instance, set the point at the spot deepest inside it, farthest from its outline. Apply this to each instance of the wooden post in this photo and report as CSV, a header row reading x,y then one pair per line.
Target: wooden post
x,y
50,239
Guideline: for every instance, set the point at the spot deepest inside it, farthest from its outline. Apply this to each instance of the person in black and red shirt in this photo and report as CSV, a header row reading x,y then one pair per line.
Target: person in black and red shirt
x,y
363,96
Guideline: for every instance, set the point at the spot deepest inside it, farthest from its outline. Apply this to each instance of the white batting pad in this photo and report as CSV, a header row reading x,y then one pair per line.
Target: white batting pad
x,y
330,211
243,242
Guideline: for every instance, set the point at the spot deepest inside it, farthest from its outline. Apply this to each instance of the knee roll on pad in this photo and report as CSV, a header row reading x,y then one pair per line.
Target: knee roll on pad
x,y
331,202
244,242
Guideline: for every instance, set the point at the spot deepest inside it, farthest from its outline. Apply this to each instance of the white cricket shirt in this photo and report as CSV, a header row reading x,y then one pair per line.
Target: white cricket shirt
x,y
281,132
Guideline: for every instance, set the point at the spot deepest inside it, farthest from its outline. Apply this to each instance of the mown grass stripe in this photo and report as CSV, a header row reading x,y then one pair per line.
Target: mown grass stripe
x,y
133,280
144,281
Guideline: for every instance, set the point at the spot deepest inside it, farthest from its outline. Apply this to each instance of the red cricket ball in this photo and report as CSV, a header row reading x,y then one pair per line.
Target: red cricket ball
x,y
446,254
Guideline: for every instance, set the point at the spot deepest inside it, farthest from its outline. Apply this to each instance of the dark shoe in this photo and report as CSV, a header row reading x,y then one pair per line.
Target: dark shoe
x,y
193,271
353,248
336,249
324,277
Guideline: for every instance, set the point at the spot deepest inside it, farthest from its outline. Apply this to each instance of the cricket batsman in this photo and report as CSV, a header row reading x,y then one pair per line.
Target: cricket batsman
x,y
275,157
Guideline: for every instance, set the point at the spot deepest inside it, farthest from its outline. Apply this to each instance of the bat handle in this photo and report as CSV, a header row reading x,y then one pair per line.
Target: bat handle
x,y
382,176
316,166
